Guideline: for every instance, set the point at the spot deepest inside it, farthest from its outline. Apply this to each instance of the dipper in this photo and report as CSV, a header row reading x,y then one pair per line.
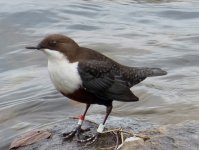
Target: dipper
x,y
89,77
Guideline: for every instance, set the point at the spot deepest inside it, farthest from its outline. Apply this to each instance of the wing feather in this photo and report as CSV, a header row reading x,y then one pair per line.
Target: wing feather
x,y
104,80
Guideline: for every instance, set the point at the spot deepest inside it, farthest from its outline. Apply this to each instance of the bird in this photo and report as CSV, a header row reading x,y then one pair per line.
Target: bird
x,y
88,76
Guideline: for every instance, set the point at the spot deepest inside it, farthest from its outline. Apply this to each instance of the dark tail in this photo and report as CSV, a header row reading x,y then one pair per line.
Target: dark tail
x,y
137,74
150,72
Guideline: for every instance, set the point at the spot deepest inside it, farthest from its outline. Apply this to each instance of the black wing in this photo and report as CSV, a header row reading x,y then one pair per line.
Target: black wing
x,y
103,79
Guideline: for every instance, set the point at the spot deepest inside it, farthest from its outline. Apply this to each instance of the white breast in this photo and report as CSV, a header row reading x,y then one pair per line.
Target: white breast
x,y
63,74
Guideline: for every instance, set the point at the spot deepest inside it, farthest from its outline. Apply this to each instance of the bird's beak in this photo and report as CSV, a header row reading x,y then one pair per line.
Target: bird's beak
x,y
33,47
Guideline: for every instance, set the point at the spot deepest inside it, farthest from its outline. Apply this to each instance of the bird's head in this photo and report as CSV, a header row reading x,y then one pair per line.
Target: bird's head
x,y
56,43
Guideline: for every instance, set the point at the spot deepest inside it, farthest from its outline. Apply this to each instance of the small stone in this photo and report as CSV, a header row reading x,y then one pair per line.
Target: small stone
x,y
132,143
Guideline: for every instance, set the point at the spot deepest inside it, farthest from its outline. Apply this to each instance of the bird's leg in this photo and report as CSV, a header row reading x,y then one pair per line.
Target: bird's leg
x,y
100,129
78,129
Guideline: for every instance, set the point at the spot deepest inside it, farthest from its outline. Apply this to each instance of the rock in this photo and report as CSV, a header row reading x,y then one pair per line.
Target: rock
x,y
183,136
136,143
107,140
147,136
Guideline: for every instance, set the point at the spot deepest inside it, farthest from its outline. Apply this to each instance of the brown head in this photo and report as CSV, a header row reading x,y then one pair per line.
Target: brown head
x,y
57,42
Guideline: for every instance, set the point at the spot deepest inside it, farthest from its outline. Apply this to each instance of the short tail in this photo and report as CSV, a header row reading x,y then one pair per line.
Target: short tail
x,y
156,72
150,72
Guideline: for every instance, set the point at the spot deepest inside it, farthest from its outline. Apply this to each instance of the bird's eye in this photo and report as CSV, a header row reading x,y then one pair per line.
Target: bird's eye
x,y
53,43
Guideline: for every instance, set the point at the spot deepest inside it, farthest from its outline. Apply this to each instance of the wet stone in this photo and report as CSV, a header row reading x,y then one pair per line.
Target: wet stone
x,y
107,140
146,135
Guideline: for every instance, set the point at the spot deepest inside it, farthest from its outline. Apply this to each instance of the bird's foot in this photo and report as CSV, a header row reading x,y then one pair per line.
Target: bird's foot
x,y
89,139
77,131
93,138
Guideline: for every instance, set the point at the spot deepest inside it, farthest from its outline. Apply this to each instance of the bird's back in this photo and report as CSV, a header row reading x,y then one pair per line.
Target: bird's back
x,y
108,79
132,75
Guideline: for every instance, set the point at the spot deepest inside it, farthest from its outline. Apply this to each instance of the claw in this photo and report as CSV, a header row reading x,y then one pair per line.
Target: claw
x,y
92,139
77,131
69,135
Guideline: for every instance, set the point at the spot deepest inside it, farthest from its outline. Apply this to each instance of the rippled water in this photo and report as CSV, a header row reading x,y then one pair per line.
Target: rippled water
x,y
153,33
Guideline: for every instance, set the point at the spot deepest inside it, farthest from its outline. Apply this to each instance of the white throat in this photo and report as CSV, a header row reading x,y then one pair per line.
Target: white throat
x,y
63,74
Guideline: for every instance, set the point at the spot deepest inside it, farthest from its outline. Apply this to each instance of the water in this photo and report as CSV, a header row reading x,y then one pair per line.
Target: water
x,y
153,33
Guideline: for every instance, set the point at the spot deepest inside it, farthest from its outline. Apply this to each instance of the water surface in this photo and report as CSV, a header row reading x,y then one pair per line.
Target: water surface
x,y
152,33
